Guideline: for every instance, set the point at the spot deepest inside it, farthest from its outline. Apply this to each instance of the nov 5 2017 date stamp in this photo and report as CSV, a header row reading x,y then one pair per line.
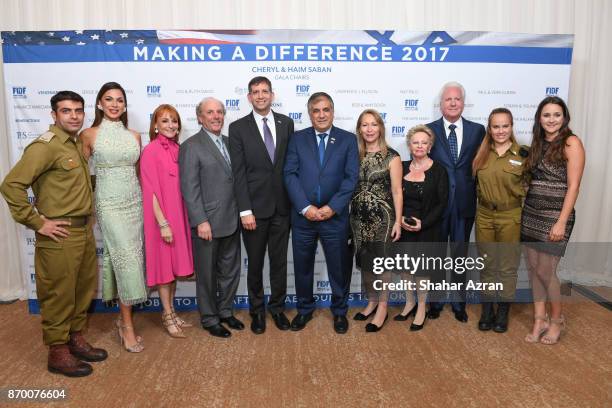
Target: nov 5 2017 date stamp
x,y
32,394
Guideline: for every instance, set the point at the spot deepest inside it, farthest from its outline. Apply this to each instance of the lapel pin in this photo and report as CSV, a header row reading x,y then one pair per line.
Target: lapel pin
x,y
332,140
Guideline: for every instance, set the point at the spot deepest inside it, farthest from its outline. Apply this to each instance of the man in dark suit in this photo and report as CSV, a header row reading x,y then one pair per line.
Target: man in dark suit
x,y
257,144
457,141
207,184
321,172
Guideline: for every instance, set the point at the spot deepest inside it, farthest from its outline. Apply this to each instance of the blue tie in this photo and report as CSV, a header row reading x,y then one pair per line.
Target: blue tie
x,y
322,137
452,143
223,151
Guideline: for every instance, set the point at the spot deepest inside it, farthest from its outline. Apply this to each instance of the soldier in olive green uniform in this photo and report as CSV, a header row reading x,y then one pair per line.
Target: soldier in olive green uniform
x,y
65,257
498,167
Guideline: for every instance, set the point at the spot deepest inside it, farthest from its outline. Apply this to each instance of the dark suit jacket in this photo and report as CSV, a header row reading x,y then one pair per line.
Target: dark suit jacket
x,y
259,182
461,184
207,184
337,176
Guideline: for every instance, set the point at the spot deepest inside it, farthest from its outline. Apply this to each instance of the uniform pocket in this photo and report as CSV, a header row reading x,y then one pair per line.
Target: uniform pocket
x,y
69,163
515,170
43,241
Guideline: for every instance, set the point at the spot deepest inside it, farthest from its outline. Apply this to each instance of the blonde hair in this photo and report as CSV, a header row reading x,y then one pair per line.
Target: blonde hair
x,y
382,141
421,128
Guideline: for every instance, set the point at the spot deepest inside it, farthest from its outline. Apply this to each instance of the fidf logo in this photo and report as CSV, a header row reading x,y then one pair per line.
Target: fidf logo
x,y
383,116
323,285
552,91
232,104
19,92
411,104
398,131
154,91
302,90
296,116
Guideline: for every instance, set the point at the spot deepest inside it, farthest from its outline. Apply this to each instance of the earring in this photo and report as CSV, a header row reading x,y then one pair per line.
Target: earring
x,y
156,131
99,107
124,109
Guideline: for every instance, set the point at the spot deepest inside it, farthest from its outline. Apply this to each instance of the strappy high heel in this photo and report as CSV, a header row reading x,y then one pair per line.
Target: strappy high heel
x,y
172,326
548,340
182,324
530,337
136,348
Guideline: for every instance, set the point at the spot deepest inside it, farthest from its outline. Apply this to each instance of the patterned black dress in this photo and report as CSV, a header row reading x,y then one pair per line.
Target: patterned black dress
x,y
543,205
372,212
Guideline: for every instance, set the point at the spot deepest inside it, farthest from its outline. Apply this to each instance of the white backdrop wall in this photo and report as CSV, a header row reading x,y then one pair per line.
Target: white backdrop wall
x,y
590,85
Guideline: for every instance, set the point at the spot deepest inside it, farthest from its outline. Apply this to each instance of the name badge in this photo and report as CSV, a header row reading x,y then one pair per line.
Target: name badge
x,y
515,162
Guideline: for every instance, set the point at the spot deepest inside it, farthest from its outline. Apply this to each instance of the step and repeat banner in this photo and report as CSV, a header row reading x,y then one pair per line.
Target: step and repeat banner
x,y
398,73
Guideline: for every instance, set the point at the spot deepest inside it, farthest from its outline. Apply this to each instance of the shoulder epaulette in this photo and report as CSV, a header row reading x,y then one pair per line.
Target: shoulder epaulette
x,y
46,137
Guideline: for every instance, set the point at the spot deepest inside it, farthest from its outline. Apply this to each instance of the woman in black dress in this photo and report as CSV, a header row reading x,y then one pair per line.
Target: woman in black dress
x,y
425,192
555,165
376,209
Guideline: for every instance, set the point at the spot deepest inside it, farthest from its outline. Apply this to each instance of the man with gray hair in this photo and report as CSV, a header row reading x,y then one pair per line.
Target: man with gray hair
x,y
457,141
207,184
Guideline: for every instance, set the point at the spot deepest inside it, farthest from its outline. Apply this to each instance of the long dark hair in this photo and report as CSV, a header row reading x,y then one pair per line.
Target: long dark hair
x,y
556,152
482,155
99,114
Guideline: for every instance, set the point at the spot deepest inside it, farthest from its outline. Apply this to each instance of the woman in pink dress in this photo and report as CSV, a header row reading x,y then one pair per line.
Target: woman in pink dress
x,y
166,228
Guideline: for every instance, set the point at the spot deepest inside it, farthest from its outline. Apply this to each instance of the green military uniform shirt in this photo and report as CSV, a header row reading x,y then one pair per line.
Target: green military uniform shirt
x,y
500,180
54,166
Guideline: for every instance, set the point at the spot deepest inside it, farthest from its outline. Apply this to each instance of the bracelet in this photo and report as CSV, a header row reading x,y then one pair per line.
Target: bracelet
x,y
163,224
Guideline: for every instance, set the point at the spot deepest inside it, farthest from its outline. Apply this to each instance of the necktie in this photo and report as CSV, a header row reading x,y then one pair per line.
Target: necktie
x,y
452,143
322,136
223,151
268,139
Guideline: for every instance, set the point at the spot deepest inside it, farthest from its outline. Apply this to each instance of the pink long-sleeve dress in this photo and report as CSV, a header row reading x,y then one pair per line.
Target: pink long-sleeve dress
x,y
159,173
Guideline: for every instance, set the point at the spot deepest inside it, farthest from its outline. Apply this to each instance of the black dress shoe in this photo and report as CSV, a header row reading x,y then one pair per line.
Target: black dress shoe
x,y
362,317
433,313
233,323
340,324
486,317
461,316
372,328
258,324
300,320
501,320
281,321
417,327
401,318
218,330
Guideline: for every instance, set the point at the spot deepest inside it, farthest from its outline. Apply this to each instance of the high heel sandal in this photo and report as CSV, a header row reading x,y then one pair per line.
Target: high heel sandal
x,y
136,348
361,317
119,324
180,322
400,317
172,326
530,337
549,341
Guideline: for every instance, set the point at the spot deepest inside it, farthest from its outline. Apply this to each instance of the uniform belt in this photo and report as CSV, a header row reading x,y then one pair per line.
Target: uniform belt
x,y
74,221
499,207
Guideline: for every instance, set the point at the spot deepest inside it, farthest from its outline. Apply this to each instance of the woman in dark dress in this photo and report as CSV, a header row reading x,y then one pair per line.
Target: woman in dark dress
x,y
425,192
376,209
555,163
